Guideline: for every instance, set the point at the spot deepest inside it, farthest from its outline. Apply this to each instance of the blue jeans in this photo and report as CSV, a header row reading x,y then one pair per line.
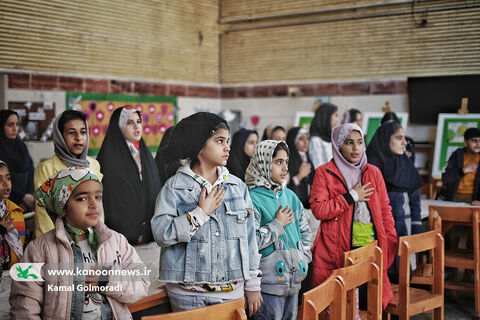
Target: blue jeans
x,y
181,302
277,308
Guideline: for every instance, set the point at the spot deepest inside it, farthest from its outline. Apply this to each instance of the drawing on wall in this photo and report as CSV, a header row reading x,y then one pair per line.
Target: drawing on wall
x,y
35,119
371,122
158,114
449,137
303,119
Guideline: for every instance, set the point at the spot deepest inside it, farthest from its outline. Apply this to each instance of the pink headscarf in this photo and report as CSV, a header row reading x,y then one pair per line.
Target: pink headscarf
x,y
352,173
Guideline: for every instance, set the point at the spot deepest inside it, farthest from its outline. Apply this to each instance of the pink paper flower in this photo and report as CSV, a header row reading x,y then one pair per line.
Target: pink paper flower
x,y
158,117
92,105
87,114
110,106
146,117
255,120
147,129
163,128
155,129
139,108
164,108
151,108
100,115
96,130
170,117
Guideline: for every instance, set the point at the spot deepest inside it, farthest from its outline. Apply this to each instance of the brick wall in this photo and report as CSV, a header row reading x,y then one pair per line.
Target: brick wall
x,y
80,84
381,41
151,40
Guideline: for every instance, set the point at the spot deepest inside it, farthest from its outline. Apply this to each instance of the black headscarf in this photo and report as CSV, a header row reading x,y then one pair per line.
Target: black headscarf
x,y
239,160
190,134
165,169
294,163
322,124
398,171
15,154
128,202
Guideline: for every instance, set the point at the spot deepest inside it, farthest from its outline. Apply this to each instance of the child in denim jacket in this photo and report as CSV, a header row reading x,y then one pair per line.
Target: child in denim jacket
x,y
203,221
283,234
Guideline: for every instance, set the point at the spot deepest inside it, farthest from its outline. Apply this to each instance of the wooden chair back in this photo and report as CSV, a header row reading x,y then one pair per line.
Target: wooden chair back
x,y
330,294
462,258
410,301
423,274
364,271
232,310
370,251
149,301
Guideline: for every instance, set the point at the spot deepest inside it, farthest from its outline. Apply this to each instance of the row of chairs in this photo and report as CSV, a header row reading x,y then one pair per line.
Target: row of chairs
x,y
365,266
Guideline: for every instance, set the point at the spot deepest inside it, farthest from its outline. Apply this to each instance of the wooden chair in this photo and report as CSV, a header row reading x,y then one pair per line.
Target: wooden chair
x,y
232,310
370,251
149,301
409,301
330,294
462,258
423,274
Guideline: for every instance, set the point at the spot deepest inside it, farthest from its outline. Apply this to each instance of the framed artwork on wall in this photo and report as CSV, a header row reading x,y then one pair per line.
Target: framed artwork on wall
x,y
371,122
449,137
303,119
158,114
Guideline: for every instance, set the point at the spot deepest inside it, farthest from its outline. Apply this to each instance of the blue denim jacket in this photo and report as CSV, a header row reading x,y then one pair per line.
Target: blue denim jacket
x,y
221,251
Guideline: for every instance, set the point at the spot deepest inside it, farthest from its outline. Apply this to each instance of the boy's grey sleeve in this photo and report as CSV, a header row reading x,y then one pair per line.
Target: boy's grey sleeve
x,y
306,235
168,226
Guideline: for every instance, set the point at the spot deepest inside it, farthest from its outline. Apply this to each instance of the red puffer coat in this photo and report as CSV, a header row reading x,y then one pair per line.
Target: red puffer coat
x,y
331,204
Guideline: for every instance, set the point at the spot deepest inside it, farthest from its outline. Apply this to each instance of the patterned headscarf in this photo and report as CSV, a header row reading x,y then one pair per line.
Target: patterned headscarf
x,y
259,171
54,193
12,237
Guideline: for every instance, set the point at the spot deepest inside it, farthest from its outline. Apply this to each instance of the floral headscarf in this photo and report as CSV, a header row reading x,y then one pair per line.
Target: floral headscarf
x,y
54,193
259,171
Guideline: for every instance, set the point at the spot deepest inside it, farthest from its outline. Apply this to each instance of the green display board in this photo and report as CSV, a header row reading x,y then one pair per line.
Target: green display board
x,y
371,122
449,137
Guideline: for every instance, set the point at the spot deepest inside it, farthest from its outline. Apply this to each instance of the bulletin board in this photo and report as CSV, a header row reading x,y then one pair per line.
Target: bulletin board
x,y
449,137
158,114
371,122
35,119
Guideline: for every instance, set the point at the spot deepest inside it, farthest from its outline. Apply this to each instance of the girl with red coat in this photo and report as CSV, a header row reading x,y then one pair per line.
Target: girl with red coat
x,y
349,197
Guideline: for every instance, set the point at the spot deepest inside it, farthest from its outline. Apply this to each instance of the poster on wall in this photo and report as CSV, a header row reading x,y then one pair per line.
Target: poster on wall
x,y
371,122
449,137
158,114
303,119
36,119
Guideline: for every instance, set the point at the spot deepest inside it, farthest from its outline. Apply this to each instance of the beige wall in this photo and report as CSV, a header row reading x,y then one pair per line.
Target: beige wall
x,y
167,40
377,47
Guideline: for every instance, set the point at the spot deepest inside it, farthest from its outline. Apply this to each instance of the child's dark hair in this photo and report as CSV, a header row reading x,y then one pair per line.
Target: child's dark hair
x,y
471,133
389,116
222,125
281,146
68,115
3,164
277,128
353,114
396,126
